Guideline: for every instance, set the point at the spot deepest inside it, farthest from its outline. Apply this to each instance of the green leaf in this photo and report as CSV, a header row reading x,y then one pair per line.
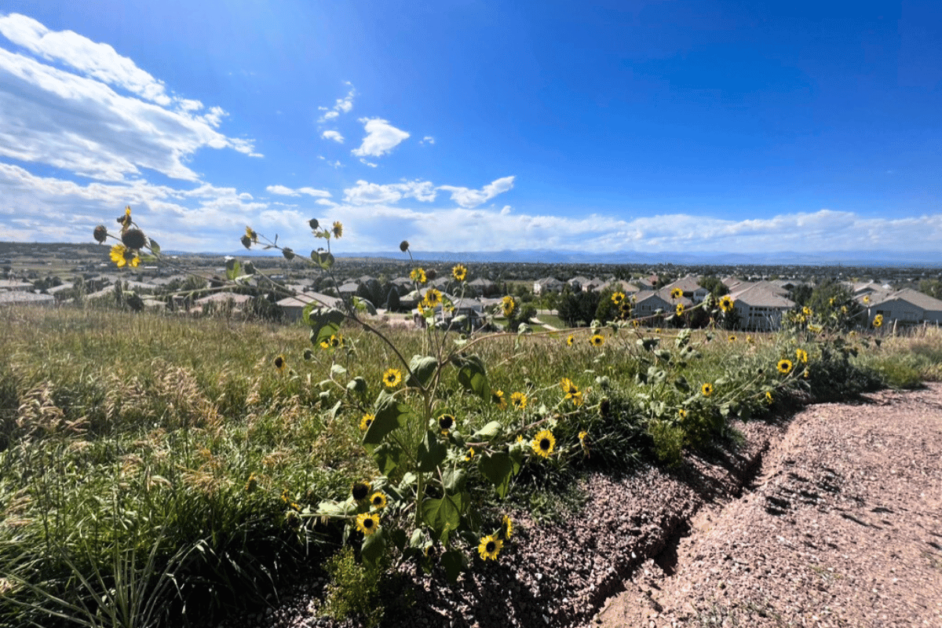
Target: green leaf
x,y
488,432
317,316
321,257
390,415
357,384
387,457
472,375
233,269
154,247
423,368
364,305
373,547
453,562
442,515
431,453
498,468
398,538
454,480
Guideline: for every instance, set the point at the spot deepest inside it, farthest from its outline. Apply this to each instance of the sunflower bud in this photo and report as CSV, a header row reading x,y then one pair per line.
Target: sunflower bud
x,y
360,490
314,224
430,274
246,241
134,239
100,233
404,246
288,253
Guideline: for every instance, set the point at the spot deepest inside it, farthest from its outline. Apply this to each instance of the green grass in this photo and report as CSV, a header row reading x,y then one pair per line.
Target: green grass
x,y
121,433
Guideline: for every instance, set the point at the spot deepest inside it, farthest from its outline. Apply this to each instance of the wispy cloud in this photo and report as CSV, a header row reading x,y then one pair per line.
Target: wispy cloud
x,y
80,123
332,135
472,198
343,105
381,137
286,191
428,139
364,193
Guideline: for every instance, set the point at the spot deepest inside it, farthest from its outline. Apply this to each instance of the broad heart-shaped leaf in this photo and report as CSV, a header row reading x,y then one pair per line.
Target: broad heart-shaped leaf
x,y
233,269
487,432
442,515
357,384
454,479
472,375
322,258
154,247
454,562
423,368
431,452
498,468
373,546
318,317
389,415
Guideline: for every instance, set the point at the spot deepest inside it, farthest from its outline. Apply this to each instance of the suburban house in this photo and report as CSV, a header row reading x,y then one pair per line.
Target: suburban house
x,y
759,307
482,287
293,307
546,285
690,286
647,302
907,307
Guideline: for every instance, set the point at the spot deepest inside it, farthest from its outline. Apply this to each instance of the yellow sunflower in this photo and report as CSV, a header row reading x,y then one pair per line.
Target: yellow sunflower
x,y
366,421
707,389
490,547
543,443
508,527
878,320
338,229
802,355
459,272
392,378
571,340
508,305
433,298
726,303
768,396
497,396
445,423
682,414
378,500
418,275
597,340
280,363
680,309
518,400
368,523
784,367
677,293
732,337
618,297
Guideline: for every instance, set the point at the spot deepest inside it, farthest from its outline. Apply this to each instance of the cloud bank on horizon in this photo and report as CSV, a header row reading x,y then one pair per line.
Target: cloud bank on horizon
x,y
85,131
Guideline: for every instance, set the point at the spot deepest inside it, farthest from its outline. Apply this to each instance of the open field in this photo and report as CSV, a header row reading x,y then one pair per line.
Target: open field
x,y
180,444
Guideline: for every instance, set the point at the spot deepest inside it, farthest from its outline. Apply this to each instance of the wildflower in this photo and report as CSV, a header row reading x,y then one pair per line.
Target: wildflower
x,y
336,341
571,391
366,421
543,443
680,309
768,396
432,298
497,396
508,527
100,233
582,435
878,320
815,328
459,272
707,389
677,293
618,297
802,355
732,337
635,323
519,400
571,340
445,423
806,311
597,340
125,220
392,378
367,523
784,367
251,235
682,414
360,490
469,455
418,275
749,339
280,363
866,299
490,547
726,303
122,256
657,330
378,500
338,229
508,305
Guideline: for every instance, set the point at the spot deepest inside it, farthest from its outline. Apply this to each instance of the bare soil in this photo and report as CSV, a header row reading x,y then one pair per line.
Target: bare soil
x,y
843,527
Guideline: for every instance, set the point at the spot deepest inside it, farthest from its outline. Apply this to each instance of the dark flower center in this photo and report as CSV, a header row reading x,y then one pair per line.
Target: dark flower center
x,y
544,444
490,547
359,491
367,523
445,422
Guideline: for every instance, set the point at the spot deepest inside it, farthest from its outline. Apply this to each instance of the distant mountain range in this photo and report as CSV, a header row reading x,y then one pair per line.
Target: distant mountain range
x,y
787,258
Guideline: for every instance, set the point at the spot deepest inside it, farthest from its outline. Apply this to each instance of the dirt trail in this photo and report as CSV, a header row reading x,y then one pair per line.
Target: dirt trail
x,y
842,527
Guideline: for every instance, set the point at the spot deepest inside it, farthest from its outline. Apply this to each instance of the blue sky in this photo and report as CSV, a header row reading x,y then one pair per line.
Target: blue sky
x,y
472,126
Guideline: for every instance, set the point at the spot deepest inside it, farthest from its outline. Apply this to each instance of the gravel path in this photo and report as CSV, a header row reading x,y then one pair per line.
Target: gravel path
x,y
842,527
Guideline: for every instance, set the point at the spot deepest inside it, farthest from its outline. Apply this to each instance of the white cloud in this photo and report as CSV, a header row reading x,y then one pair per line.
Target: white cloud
x,y
332,135
381,137
428,139
343,105
368,163
472,198
81,124
286,191
332,164
364,193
